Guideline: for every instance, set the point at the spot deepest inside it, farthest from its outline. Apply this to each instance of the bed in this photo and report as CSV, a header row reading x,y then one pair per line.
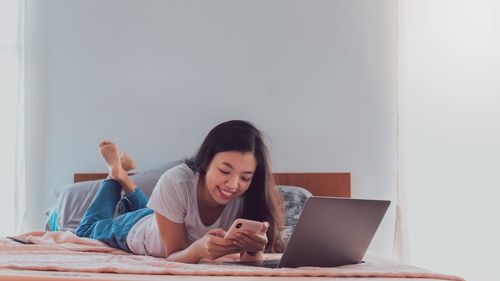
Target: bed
x,y
58,255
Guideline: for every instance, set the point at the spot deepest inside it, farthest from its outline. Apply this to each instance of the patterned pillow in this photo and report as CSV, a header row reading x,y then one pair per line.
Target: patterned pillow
x,y
294,198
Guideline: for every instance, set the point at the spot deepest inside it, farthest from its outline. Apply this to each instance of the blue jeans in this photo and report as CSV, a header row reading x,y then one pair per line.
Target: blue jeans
x,y
98,222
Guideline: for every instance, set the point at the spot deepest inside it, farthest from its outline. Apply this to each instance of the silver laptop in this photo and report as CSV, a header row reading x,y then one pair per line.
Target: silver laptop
x,y
330,232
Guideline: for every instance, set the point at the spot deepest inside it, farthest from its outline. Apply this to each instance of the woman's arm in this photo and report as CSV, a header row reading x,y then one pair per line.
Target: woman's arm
x,y
211,246
173,236
258,256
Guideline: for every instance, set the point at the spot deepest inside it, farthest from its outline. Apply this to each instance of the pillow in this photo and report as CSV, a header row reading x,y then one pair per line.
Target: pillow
x,y
294,199
73,200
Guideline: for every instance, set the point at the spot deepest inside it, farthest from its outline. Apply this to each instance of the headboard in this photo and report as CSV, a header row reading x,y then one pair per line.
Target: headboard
x,y
319,184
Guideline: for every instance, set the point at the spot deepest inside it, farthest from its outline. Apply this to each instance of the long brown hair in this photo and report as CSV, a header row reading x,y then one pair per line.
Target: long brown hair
x,y
262,200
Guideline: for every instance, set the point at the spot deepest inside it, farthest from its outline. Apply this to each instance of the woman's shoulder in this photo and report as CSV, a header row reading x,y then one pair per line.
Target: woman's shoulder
x,y
178,174
173,191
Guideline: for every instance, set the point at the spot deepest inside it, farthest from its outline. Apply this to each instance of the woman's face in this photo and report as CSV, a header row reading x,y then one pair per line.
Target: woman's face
x,y
229,175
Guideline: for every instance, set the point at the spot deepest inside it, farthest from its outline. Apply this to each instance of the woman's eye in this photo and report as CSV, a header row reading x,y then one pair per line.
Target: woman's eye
x,y
224,172
246,179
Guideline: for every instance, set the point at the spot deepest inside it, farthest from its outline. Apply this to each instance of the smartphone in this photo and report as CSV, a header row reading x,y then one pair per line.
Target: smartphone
x,y
242,224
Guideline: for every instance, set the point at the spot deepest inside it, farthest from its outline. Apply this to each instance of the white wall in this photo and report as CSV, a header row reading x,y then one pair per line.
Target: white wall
x,y
10,59
450,134
319,77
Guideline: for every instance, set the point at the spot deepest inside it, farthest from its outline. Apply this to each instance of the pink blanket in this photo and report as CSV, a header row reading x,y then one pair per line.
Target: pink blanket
x,y
63,251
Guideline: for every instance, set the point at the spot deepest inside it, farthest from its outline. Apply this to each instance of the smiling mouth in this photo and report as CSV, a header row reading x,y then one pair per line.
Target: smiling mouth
x,y
225,194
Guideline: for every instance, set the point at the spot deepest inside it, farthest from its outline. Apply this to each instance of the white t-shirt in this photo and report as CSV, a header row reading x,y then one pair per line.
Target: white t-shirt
x,y
175,198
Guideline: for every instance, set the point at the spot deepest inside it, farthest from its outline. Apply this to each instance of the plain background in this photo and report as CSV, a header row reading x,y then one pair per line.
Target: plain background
x,y
450,133
318,77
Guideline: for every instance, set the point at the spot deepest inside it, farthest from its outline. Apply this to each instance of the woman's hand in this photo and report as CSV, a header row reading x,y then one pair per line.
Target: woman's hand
x,y
213,245
252,243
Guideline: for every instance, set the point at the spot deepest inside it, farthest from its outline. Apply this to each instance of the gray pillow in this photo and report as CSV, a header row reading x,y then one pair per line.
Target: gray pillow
x,y
73,200
294,198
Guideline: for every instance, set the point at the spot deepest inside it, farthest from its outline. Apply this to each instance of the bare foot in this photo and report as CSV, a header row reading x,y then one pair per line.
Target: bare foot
x,y
128,163
109,152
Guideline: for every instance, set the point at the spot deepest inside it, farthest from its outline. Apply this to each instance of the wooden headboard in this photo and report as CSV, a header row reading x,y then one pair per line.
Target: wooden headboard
x,y
319,184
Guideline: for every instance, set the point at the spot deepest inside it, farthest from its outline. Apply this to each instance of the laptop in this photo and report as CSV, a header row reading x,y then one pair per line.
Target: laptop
x,y
331,231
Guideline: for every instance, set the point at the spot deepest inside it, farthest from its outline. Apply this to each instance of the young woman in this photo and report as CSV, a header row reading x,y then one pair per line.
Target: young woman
x,y
193,204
